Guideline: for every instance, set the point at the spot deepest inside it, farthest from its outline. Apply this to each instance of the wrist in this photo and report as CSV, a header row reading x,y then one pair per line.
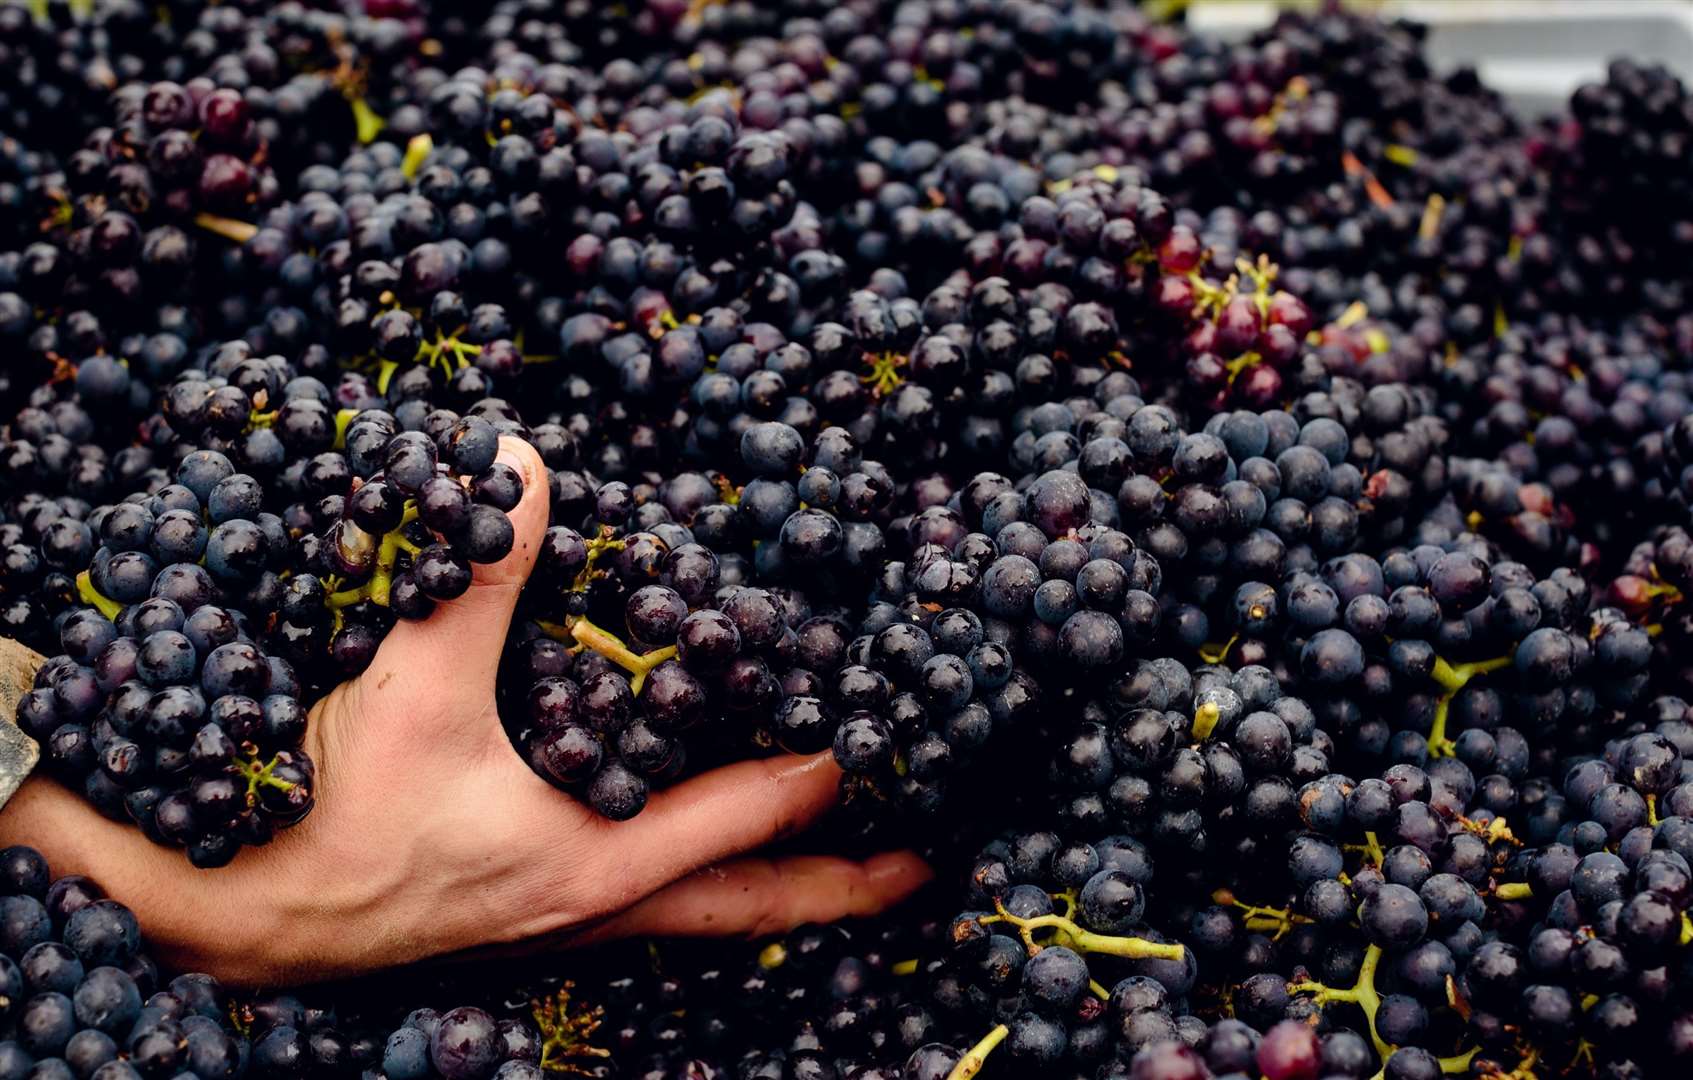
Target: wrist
x,y
19,754
195,920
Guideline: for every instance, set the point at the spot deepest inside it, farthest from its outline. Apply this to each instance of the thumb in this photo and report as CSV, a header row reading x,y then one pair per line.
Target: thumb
x,y
452,656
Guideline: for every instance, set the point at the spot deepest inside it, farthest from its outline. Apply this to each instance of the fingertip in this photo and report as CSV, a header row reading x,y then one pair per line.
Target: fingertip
x,y
820,769
809,785
522,457
897,874
531,510
528,517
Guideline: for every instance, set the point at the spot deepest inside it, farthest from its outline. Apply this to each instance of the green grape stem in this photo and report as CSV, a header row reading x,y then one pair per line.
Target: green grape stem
x,y
884,376
975,1057
259,775
446,352
1458,1064
1264,920
610,646
1214,652
565,1032
1205,720
1262,274
367,121
229,228
1363,994
1209,300
1243,362
1453,678
418,149
264,418
343,417
1073,936
377,590
597,547
1370,849
95,598
1527,1059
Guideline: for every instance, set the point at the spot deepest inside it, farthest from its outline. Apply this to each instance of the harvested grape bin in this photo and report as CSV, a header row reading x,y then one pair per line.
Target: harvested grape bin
x,y
731,540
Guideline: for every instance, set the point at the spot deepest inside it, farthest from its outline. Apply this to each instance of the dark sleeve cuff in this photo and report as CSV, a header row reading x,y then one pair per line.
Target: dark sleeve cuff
x,y
18,752
18,756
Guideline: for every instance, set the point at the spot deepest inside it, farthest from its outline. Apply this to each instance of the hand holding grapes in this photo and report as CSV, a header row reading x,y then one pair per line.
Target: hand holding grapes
x,y
431,837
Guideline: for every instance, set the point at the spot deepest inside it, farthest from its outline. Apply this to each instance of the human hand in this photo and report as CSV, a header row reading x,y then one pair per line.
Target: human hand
x,y
431,836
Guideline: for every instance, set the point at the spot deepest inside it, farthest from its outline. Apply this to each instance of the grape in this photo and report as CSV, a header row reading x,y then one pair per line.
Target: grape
x,y
1289,1051
465,1045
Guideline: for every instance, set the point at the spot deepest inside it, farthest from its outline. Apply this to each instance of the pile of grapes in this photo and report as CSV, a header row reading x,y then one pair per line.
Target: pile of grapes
x,y
1226,504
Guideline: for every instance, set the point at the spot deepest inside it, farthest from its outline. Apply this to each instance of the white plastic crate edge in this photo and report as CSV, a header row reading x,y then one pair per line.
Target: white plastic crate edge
x,y
1535,52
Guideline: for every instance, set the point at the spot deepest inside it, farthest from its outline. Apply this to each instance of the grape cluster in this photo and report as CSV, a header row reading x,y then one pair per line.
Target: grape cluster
x,y
607,720
467,1043
430,503
171,717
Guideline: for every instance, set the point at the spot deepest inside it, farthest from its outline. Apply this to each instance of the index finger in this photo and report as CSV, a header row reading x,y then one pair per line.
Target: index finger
x,y
718,815
755,897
